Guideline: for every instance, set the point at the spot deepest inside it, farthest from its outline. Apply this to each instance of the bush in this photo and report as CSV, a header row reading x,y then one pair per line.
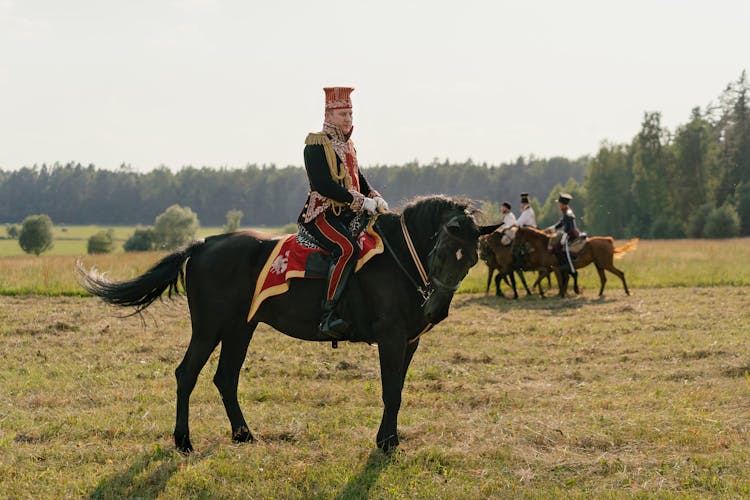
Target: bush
x,y
697,221
142,240
101,242
36,234
666,228
175,226
13,230
234,217
722,222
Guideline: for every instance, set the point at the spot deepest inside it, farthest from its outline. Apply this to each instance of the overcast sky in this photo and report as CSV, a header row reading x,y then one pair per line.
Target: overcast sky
x,y
227,83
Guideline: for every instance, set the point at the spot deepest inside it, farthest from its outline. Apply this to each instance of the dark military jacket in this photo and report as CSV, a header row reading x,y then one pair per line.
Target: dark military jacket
x,y
568,224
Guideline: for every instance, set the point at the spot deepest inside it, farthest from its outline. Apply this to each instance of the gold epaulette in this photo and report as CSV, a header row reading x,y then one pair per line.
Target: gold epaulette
x,y
321,139
317,139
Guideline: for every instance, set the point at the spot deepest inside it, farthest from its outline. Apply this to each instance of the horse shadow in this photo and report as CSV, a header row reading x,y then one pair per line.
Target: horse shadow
x,y
536,303
360,484
146,477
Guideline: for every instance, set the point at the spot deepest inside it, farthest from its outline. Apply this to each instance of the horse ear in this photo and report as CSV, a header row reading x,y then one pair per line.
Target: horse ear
x,y
488,229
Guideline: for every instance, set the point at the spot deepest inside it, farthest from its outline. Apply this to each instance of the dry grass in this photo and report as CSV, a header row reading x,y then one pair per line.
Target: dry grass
x,y
627,396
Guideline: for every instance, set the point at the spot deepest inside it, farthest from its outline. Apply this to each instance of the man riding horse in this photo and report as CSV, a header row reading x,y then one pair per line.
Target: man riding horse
x,y
338,193
560,243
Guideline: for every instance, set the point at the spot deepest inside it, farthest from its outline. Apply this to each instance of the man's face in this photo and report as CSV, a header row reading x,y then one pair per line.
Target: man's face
x,y
563,207
505,209
342,118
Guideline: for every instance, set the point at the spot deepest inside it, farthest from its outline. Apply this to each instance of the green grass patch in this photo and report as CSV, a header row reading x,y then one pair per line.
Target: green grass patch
x,y
655,264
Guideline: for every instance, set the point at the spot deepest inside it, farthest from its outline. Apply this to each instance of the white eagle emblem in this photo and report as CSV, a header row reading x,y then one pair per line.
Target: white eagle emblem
x,y
361,241
280,263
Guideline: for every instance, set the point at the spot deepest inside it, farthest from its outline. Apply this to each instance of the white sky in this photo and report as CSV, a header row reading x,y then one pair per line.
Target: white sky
x,y
231,82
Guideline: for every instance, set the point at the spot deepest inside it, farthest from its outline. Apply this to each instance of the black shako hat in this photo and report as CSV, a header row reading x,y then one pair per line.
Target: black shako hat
x,y
524,197
564,198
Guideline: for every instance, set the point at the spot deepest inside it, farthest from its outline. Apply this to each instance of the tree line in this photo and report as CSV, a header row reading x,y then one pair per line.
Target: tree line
x,y
694,181
266,195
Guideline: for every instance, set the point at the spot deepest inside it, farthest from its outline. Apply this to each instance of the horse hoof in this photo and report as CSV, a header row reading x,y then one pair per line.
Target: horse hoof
x,y
242,435
183,444
388,444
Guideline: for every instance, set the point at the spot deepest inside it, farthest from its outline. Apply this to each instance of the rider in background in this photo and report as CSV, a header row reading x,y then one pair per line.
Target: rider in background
x,y
338,192
509,220
569,231
527,217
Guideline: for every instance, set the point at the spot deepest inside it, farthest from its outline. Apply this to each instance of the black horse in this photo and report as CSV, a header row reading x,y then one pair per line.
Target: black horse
x,y
219,280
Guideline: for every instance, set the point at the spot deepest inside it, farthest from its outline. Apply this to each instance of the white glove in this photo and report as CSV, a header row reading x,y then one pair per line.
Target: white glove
x,y
381,203
370,205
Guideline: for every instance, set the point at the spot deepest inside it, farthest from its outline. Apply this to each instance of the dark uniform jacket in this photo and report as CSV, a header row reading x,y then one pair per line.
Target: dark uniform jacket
x,y
319,175
568,224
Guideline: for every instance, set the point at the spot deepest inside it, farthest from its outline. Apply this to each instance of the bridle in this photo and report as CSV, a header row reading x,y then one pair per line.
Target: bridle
x,y
429,283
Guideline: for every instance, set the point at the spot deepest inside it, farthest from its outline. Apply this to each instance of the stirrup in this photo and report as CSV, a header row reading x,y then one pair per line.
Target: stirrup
x,y
334,327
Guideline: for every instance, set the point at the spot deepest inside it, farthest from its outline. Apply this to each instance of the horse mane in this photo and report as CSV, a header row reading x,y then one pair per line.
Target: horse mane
x,y
424,215
429,211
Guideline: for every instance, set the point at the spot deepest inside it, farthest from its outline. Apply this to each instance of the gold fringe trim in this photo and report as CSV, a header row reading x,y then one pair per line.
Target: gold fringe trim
x,y
321,139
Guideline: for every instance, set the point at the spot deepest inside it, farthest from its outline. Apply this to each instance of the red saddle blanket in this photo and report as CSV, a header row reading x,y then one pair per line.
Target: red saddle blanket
x,y
289,260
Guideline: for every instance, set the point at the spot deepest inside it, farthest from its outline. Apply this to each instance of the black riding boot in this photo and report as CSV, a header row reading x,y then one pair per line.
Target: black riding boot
x,y
330,323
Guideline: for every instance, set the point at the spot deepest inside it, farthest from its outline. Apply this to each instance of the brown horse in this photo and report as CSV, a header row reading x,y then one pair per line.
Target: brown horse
x,y
599,250
499,257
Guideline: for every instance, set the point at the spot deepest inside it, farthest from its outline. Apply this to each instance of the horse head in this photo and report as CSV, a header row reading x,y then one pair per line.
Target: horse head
x,y
445,230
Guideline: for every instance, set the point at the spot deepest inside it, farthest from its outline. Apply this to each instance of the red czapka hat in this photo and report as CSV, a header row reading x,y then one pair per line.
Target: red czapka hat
x,y
338,97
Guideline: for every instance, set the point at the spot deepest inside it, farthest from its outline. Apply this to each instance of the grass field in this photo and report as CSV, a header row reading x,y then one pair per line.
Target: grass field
x,y
680,263
646,395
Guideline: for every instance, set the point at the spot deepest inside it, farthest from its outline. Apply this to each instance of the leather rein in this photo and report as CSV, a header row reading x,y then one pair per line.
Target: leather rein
x,y
428,286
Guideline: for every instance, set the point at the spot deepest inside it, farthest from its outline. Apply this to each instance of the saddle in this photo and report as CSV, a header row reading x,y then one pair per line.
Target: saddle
x,y
577,244
298,256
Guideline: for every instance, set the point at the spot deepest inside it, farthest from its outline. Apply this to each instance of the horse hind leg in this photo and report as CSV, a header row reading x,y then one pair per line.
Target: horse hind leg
x,y
201,346
602,280
233,351
620,275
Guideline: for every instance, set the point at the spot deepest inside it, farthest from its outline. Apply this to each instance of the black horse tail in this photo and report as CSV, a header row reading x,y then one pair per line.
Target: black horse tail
x,y
142,291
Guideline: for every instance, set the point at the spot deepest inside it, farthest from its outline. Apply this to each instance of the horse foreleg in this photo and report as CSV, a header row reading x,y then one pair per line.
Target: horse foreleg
x,y
233,351
523,280
562,281
513,284
392,372
538,282
489,279
198,352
